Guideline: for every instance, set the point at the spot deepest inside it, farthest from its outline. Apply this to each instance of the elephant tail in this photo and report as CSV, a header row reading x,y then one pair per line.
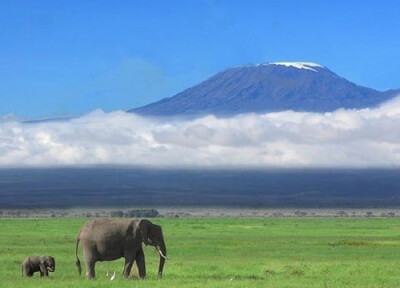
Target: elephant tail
x,y
78,262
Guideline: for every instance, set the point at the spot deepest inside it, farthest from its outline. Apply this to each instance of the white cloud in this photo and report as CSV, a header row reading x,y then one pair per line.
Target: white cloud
x,y
344,138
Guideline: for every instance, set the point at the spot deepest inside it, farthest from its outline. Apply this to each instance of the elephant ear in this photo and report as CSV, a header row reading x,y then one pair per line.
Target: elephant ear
x,y
42,262
144,226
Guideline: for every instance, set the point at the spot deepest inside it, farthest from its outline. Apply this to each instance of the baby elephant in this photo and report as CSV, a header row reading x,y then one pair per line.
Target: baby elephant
x,y
43,264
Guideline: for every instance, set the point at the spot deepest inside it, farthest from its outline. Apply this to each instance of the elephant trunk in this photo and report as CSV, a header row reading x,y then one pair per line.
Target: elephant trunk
x,y
163,256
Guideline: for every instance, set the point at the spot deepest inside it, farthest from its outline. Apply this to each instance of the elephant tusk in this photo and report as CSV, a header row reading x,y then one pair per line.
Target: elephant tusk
x,y
161,254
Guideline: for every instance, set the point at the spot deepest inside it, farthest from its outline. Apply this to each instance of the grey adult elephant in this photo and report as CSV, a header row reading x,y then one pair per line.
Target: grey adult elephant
x,y
107,239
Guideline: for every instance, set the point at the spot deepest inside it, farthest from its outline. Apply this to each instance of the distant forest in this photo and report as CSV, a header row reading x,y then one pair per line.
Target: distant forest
x,y
139,187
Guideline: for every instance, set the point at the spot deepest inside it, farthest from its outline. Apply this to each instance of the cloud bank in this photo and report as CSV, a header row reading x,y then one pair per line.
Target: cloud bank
x,y
344,138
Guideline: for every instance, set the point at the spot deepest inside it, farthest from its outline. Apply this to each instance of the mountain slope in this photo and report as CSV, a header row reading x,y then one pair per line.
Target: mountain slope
x,y
268,87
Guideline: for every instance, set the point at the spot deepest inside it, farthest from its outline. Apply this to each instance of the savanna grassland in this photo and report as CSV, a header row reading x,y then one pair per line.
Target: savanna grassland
x,y
271,252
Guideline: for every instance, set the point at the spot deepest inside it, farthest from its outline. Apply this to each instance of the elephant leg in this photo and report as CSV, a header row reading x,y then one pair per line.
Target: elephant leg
x,y
128,266
90,264
26,271
43,271
90,272
140,262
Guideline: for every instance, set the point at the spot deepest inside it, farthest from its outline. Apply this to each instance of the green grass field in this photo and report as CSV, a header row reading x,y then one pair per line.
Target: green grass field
x,y
222,253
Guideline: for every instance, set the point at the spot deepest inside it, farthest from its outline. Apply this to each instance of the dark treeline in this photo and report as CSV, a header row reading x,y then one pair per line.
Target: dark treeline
x,y
136,213
134,187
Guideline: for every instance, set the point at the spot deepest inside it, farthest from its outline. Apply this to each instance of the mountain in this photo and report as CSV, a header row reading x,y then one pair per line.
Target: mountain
x,y
297,86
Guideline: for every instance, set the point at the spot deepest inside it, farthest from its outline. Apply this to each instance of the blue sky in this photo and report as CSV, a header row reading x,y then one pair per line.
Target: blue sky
x,y
71,57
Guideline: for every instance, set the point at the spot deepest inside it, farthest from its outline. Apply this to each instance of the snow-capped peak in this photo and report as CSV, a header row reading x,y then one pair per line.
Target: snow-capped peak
x,y
298,65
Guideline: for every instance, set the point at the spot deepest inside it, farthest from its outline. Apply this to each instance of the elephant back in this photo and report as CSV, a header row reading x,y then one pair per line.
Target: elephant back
x,y
101,229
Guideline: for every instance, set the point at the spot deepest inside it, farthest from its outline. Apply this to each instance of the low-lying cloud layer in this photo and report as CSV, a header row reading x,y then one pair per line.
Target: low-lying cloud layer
x,y
344,138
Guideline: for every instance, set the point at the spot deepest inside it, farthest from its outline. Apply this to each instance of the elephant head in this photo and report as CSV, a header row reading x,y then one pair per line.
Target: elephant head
x,y
49,263
152,235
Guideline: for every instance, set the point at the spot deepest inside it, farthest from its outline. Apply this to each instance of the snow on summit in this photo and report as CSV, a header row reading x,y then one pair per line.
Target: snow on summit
x,y
298,65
